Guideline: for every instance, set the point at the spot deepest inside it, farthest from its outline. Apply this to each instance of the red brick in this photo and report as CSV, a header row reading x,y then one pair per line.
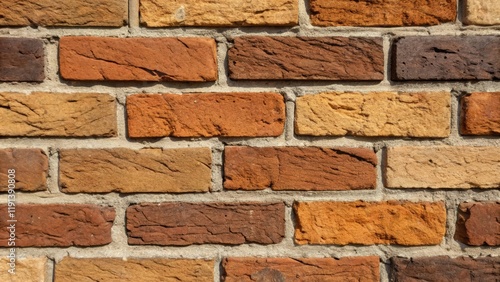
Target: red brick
x,y
30,166
478,224
481,114
21,59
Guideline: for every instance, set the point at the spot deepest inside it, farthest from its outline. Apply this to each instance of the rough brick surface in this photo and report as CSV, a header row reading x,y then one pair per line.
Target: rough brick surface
x,y
61,114
133,269
30,165
21,59
296,168
182,224
422,114
446,58
382,13
481,114
59,225
63,12
445,269
443,167
482,12
129,171
206,115
362,223
306,58
155,13
139,59
478,224
301,269
27,269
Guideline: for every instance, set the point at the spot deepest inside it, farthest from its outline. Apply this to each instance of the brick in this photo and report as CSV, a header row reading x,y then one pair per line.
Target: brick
x,y
112,13
21,59
301,269
306,58
135,171
441,268
58,115
421,114
133,269
443,167
296,168
26,269
206,115
478,224
362,223
219,13
30,165
58,225
138,59
181,224
382,13
482,12
480,114
446,58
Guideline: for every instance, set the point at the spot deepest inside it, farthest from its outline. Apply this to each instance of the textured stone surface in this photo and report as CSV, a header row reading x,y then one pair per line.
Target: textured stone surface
x,y
21,59
30,165
481,114
382,13
59,225
296,168
157,13
445,269
206,115
57,114
301,269
133,269
139,59
446,58
422,114
306,58
482,12
63,12
27,269
342,223
180,224
443,167
478,224
135,171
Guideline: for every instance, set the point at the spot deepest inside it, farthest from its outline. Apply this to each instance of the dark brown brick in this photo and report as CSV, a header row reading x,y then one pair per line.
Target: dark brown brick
x,y
21,59
30,165
478,224
481,114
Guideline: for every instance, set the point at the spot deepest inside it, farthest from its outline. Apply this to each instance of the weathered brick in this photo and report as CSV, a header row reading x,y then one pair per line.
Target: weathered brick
x,y
422,114
21,59
446,58
219,13
478,224
30,165
135,171
481,114
442,268
57,114
301,269
306,58
443,167
133,269
181,224
342,223
296,168
482,12
206,115
382,13
26,269
138,59
63,13
58,225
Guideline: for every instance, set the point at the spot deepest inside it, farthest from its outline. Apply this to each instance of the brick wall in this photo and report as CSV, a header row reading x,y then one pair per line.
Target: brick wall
x,y
231,140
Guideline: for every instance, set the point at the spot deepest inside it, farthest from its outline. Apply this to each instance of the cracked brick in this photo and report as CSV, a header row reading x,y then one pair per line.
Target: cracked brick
x,y
31,167
478,224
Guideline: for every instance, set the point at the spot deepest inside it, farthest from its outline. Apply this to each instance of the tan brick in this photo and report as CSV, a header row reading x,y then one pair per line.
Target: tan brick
x,y
155,13
134,269
30,169
342,223
443,167
26,269
135,171
421,114
57,114
482,12
481,114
